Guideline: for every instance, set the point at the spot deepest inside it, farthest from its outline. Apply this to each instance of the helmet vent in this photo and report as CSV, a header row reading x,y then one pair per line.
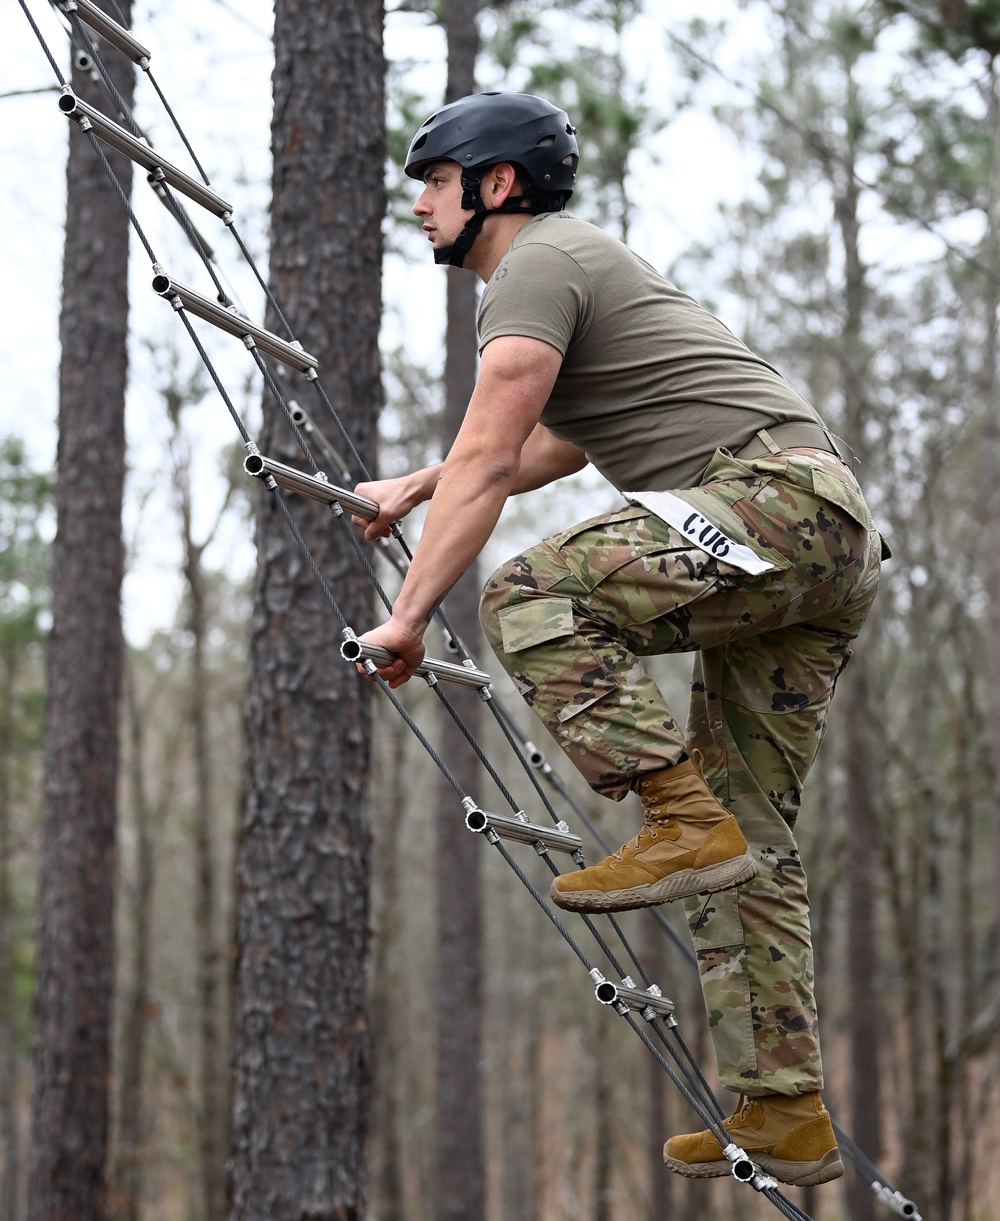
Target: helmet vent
x,y
419,142
546,142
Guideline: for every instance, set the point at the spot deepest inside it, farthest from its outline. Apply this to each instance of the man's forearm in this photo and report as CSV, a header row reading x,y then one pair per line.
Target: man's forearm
x,y
460,520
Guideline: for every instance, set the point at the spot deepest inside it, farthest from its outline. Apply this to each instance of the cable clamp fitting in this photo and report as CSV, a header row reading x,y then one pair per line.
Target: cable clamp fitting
x,y
485,693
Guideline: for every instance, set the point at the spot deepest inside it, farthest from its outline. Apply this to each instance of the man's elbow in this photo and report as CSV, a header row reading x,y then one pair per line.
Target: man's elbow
x,y
484,470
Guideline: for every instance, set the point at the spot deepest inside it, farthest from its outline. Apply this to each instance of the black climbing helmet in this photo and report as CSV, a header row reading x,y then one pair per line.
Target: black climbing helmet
x,y
479,130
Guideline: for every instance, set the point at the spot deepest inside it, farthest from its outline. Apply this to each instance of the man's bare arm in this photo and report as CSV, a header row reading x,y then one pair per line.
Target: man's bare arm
x,y
543,459
482,469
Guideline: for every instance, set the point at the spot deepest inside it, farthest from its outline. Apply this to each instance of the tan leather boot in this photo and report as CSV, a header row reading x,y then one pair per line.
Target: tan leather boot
x,y
689,844
790,1138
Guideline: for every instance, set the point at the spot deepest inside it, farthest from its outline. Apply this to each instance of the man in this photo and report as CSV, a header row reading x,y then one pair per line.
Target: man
x,y
744,537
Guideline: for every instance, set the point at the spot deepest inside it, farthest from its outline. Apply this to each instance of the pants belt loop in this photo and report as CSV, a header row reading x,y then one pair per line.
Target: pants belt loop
x,y
769,441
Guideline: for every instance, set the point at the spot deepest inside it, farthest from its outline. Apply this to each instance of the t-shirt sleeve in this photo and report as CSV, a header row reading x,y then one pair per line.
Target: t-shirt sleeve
x,y
538,291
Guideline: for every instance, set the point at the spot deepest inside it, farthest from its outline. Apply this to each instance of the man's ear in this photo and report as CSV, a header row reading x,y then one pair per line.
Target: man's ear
x,y
500,182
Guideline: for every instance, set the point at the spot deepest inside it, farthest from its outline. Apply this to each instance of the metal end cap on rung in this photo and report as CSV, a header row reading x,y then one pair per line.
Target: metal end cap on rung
x,y
743,1168
895,1200
535,756
606,992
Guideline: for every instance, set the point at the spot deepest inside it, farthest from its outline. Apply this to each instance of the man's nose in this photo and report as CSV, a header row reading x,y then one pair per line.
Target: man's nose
x,y
420,207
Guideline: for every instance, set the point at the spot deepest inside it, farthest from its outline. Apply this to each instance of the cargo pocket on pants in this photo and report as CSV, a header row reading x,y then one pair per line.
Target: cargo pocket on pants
x,y
565,679
537,621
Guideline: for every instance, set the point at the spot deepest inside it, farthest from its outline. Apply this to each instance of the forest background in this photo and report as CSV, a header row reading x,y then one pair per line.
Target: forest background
x,y
823,177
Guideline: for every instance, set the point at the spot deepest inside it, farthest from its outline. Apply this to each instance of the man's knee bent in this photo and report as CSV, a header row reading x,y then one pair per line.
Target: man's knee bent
x,y
503,589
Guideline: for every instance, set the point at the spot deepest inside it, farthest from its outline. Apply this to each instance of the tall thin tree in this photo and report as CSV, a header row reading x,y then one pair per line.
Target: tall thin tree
x,y
72,1058
461,1173
210,1109
24,600
301,1028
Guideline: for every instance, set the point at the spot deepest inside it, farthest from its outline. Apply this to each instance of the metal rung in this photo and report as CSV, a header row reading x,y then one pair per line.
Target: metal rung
x,y
302,421
896,1201
316,487
98,20
649,1002
142,153
235,323
359,650
559,838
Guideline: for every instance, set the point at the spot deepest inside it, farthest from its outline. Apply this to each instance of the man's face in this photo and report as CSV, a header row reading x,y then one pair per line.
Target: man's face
x,y
439,204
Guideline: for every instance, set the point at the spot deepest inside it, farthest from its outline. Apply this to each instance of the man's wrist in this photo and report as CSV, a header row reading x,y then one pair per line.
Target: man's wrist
x,y
431,475
410,620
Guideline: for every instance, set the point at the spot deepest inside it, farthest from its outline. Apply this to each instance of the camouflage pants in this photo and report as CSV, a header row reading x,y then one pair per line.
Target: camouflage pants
x,y
571,620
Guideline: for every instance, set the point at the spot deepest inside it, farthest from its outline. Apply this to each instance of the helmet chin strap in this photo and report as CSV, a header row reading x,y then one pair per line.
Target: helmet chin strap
x,y
456,252
454,255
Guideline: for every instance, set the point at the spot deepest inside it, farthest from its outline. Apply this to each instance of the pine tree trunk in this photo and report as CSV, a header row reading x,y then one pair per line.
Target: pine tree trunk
x,y
391,1049
212,1054
461,1174
862,787
302,1073
10,1145
661,1180
131,1123
76,937
604,1109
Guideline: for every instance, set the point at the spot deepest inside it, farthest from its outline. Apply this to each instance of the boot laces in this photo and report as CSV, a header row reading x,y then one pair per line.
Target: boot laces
x,y
649,830
743,1111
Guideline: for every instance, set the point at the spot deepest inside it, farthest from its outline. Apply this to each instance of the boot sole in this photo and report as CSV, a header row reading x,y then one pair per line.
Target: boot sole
x,y
793,1174
704,881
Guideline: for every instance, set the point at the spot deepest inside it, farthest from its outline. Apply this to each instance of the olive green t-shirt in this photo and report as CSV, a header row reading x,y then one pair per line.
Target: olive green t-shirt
x,y
651,383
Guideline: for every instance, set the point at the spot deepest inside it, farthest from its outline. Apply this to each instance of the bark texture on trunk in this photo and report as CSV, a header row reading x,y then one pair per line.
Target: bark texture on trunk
x,y
75,968
461,1172
301,1058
